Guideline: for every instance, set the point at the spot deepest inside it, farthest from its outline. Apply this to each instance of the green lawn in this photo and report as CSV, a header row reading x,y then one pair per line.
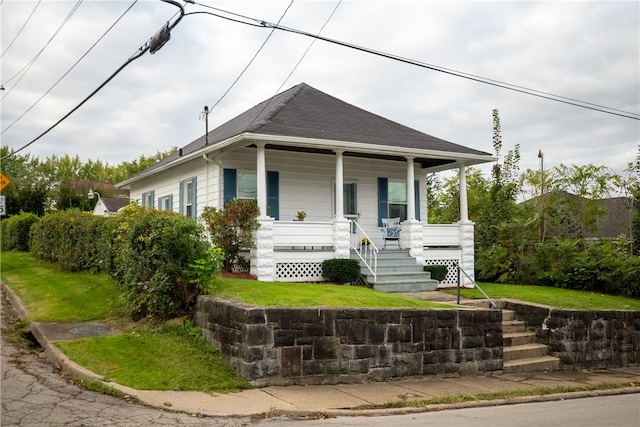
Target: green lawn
x,y
556,297
51,295
280,294
164,358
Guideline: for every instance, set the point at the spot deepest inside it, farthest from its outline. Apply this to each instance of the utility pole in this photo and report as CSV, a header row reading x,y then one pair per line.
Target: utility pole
x,y
205,114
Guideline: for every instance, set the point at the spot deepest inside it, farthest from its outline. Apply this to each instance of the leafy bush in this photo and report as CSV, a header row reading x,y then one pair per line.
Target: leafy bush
x,y
438,272
75,240
231,229
15,231
596,266
205,269
341,270
155,251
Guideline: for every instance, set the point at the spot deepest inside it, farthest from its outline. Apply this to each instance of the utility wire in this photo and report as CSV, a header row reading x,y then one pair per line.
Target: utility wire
x,y
299,61
521,89
137,55
27,67
252,59
69,70
24,25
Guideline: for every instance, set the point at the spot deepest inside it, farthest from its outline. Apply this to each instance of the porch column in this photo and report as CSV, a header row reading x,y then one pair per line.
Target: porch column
x,y
411,192
261,179
339,185
464,209
467,260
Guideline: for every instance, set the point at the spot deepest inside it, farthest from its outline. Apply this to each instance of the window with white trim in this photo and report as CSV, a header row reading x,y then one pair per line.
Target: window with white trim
x,y
247,186
147,199
398,200
165,203
188,198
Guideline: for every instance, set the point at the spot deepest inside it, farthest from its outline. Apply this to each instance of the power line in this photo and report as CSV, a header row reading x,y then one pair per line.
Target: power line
x,y
468,76
137,55
300,60
27,67
252,59
69,70
22,28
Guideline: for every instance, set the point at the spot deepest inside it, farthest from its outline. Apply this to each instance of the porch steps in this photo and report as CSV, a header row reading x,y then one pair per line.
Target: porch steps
x,y
521,352
398,272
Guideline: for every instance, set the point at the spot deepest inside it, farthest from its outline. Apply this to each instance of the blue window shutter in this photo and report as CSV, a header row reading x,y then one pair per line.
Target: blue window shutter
x,y
230,184
273,195
171,202
383,199
153,198
194,206
416,190
181,198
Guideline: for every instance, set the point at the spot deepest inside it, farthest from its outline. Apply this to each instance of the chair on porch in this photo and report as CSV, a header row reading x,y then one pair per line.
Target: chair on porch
x,y
390,230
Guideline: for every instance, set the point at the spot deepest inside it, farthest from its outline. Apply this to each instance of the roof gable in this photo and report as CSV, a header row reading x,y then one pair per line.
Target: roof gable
x,y
305,112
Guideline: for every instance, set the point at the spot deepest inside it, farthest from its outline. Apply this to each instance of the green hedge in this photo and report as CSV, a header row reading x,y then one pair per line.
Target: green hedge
x,y
341,270
150,253
155,251
438,272
75,240
16,230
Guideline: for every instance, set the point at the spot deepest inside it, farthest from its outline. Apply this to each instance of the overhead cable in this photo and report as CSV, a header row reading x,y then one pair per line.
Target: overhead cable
x,y
137,55
69,70
22,28
26,68
521,89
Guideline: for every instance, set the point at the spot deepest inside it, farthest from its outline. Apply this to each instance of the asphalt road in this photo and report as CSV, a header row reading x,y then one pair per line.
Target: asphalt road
x,y
35,394
615,411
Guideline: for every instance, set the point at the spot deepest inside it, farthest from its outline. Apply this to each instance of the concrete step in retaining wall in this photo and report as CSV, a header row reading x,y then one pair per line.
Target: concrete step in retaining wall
x,y
521,352
535,364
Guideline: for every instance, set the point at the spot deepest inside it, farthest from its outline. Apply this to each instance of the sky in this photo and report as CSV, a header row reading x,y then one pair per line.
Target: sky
x,y
585,51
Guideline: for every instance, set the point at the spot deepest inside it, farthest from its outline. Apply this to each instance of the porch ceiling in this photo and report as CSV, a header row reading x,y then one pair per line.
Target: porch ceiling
x,y
425,162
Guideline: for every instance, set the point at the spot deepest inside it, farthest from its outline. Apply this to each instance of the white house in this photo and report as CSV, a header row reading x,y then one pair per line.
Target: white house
x,y
306,150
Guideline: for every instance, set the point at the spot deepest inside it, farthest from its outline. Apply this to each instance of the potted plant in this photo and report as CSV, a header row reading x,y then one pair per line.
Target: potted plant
x,y
364,243
301,214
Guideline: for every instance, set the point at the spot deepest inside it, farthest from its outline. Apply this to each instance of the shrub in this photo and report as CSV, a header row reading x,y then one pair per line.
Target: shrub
x,y
438,272
231,229
15,231
341,270
75,240
155,251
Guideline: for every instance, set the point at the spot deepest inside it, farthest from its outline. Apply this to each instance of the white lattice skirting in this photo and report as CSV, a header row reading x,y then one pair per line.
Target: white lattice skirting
x,y
451,279
299,271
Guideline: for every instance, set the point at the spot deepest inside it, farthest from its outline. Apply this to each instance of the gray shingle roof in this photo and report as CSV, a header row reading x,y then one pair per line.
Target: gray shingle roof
x,y
306,112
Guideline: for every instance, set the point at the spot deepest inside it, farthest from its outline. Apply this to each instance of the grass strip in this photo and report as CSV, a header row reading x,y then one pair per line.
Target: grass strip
x,y
512,394
52,295
168,357
555,297
281,294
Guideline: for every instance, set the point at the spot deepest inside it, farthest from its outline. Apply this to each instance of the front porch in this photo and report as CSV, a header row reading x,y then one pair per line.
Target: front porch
x,y
294,250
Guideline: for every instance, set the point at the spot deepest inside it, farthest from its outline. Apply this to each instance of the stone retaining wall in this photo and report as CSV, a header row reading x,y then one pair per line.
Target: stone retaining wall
x,y
584,339
271,346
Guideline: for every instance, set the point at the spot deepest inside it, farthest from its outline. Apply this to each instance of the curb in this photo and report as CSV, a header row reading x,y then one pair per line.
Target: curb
x,y
78,372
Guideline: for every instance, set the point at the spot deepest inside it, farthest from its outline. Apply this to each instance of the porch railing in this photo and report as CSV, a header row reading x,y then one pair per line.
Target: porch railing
x,y
441,235
303,235
363,246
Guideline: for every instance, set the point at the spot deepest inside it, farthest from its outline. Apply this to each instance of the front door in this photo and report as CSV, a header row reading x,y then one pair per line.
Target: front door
x,y
350,205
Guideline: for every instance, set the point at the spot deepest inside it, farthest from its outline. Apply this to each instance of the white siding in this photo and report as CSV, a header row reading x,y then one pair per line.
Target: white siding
x,y
306,183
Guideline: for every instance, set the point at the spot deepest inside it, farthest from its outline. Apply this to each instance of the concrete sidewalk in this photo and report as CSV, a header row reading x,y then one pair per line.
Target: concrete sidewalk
x,y
389,397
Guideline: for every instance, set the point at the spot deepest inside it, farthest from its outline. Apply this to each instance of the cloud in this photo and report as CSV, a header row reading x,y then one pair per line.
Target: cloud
x,y
583,50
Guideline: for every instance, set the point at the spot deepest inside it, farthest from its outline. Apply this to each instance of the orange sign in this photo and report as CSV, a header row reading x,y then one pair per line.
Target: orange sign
x,y
4,181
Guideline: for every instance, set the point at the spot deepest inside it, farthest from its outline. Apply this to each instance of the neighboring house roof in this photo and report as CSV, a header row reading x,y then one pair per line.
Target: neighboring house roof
x,y
617,213
114,204
306,117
